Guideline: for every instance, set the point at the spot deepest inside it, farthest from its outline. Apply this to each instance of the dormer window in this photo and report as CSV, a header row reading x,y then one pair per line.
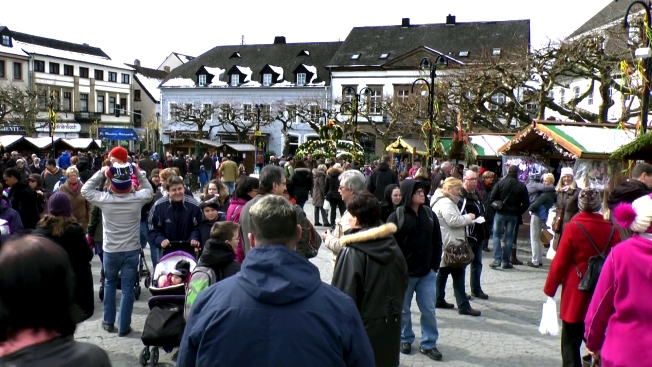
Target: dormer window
x,y
355,56
304,53
301,79
496,52
463,54
383,56
235,80
202,80
235,55
267,80
6,40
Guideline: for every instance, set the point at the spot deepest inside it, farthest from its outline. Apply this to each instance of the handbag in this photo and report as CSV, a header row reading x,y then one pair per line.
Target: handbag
x,y
596,262
559,221
457,254
498,204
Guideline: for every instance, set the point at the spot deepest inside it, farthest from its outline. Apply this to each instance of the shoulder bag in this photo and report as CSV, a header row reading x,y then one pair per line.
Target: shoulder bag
x,y
498,204
457,254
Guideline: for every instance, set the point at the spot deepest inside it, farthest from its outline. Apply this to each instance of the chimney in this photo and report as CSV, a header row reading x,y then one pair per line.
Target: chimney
x,y
166,69
405,23
279,40
450,20
84,44
136,62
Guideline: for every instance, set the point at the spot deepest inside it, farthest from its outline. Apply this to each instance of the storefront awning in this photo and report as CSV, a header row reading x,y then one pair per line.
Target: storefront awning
x,y
115,133
84,143
8,140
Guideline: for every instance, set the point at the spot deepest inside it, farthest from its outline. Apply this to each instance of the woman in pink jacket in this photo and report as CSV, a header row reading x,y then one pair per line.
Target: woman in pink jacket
x,y
619,320
246,188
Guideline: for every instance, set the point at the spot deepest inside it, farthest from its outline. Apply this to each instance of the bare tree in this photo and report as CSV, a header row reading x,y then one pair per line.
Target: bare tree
x,y
194,114
19,106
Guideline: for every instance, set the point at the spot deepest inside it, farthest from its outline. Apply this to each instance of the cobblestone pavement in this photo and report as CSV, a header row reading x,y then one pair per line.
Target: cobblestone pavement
x,y
505,335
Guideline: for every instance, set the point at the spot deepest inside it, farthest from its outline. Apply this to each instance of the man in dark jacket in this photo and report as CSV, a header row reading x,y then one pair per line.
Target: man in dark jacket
x,y
419,237
475,234
22,198
181,164
639,185
175,217
515,201
146,163
209,165
276,311
193,167
380,178
440,176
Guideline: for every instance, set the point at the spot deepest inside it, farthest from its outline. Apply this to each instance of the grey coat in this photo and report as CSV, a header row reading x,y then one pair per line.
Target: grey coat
x,y
319,187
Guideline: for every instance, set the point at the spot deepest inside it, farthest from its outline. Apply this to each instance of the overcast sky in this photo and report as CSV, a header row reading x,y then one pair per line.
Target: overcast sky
x,y
150,30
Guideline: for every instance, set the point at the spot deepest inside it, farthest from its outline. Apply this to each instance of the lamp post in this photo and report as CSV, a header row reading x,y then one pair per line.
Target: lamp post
x,y
645,53
352,107
53,121
257,133
425,64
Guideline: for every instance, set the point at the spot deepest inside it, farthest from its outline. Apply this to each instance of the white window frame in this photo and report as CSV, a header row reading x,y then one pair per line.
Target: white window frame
x,y
6,40
576,92
562,96
301,79
266,110
202,80
589,100
170,105
209,105
497,100
402,95
375,101
246,111
298,136
235,80
267,79
314,113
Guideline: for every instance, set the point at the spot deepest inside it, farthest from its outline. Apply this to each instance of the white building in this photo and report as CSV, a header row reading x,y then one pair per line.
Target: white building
x,y
173,61
241,77
84,82
147,104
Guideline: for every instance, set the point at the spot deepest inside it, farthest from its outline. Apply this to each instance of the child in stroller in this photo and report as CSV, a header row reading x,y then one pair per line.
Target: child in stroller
x,y
165,323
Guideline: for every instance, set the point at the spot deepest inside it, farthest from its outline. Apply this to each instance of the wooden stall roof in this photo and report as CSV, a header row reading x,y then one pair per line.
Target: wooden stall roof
x,y
413,146
571,139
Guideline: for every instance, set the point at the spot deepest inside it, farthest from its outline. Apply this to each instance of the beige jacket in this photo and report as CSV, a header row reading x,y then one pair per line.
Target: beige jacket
x,y
332,241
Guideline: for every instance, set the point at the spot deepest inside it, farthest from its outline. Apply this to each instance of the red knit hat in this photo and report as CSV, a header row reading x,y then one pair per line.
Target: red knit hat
x,y
120,154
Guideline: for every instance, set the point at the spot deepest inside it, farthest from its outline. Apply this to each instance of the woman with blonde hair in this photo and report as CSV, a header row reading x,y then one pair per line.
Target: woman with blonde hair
x,y
220,194
453,229
424,178
567,193
81,209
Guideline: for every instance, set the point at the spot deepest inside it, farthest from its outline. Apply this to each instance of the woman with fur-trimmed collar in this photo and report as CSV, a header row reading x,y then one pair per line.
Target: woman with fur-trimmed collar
x,y
371,269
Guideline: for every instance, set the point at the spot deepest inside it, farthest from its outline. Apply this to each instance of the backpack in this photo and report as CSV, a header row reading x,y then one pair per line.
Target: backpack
x,y
596,262
400,217
201,278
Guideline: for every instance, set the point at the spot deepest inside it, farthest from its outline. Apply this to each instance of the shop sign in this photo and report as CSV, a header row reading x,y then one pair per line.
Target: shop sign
x,y
63,127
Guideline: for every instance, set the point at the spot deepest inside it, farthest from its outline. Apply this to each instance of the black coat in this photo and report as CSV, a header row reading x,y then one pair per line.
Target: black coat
x,y
514,195
220,257
471,204
80,254
147,165
193,167
23,200
380,178
333,184
180,163
303,183
371,270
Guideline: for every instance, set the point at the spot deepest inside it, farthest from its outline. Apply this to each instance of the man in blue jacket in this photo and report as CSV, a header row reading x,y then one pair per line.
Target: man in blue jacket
x,y
175,217
276,311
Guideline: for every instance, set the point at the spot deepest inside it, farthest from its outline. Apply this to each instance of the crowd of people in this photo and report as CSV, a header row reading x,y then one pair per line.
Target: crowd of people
x,y
402,230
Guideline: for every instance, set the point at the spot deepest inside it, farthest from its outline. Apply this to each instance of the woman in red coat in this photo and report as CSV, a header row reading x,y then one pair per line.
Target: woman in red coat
x,y
572,257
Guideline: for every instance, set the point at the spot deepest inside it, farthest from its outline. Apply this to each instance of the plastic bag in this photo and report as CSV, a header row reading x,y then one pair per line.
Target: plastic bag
x,y
327,205
549,320
551,253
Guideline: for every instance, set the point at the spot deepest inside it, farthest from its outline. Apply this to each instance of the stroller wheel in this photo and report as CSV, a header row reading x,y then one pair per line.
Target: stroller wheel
x,y
137,292
100,293
154,356
148,281
144,356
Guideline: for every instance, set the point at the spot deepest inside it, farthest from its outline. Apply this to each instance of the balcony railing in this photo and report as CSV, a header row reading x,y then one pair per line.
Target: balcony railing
x,y
88,116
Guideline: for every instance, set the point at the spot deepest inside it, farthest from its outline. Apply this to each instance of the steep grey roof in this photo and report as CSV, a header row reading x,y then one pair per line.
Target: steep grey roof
x,y
148,72
59,45
612,12
478,38
183,58
257,57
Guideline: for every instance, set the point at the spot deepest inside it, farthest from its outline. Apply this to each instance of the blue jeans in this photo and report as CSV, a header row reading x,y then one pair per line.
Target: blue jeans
x,y
231,187
504,225
542,213
476,266
425,289
125,264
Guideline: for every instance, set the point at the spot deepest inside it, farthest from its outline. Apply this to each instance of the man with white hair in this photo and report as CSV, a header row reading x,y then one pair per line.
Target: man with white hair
x,y
444,172
351,182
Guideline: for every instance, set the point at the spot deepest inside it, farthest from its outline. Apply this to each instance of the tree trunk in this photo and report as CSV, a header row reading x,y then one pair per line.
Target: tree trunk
x,y
286,142
607,102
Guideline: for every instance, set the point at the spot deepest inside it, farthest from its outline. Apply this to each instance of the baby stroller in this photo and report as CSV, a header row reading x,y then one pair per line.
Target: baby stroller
x,y
165,323
144,273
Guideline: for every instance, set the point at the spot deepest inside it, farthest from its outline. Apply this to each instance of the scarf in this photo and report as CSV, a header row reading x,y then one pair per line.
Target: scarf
x,y
75,188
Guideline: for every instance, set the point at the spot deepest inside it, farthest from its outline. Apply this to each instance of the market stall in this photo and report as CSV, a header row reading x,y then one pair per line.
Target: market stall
x,y
479,148
584,146
407,148
240,153
84,143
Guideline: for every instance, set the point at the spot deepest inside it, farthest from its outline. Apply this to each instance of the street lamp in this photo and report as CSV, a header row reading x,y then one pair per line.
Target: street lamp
x,y
352,107
427,65
257,133
643,53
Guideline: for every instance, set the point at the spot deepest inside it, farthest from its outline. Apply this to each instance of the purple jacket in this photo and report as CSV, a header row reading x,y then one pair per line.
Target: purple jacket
x,y
618,321
11,216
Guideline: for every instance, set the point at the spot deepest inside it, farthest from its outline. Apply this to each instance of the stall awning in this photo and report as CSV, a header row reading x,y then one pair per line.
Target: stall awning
x,y
239,147
8,140
210,143
117,133
573,140
84,143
